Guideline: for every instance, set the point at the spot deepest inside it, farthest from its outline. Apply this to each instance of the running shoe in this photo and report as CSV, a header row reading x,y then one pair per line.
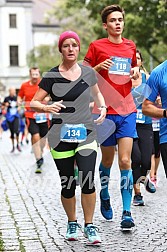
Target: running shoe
x,y
39,163
91,232
13,149
72,231
18,148
154,181
27,141
106,209
138,200
127,222
149,186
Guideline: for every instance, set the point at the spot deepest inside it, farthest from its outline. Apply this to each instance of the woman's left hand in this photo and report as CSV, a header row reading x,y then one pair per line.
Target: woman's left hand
x,y
102,116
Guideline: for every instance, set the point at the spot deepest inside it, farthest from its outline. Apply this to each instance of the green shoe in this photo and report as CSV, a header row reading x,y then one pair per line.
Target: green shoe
x,y
38,170
72,231
39,163
91,232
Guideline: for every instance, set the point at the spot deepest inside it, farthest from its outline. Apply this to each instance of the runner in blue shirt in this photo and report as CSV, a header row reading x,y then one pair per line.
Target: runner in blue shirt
x,y
12,117
158,84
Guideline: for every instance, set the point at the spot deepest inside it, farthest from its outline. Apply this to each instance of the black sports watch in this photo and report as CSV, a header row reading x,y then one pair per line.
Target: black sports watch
x,y
103,106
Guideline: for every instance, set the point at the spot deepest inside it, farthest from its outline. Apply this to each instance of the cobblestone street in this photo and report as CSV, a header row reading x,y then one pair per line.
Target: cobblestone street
x,y
32,218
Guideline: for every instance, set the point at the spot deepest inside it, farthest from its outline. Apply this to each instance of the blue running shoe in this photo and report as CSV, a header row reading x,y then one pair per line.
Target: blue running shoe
x,y
106,209
127,222
138,200
150,187
91,232
72,231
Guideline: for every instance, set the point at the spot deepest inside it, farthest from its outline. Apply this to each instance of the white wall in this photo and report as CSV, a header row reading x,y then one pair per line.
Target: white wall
x,y
25,36
44,38
20,36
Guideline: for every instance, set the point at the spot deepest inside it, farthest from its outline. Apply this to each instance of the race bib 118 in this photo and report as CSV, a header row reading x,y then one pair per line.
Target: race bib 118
x,y
122,66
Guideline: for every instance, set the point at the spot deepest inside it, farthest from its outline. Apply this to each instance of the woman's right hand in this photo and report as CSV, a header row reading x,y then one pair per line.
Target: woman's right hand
x,y
54,108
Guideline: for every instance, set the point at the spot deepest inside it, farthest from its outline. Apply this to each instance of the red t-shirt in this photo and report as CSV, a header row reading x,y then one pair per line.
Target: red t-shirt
x,y
116,89
27,92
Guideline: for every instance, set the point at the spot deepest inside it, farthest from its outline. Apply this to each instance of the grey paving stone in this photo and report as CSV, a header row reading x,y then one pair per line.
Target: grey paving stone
x,y
11,247
33,212
32,244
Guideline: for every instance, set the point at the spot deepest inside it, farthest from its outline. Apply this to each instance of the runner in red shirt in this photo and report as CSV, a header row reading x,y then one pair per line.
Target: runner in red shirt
x,y
37,123
114,58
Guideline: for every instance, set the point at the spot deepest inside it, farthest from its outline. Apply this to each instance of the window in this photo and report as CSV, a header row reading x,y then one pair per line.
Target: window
x,y
12,20
14,59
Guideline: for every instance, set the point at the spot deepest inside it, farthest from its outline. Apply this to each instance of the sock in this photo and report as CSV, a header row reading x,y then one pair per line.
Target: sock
x,y
88,224
104,180
72,221
126,188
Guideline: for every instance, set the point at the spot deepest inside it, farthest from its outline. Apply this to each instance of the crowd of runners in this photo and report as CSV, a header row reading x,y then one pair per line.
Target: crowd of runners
x,y
109,102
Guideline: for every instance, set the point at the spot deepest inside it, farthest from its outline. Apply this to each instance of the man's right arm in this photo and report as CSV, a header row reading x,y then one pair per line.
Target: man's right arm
x,y
149,109
105,65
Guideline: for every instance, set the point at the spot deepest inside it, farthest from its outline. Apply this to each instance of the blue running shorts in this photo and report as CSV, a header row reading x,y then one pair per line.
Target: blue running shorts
x,y
125,126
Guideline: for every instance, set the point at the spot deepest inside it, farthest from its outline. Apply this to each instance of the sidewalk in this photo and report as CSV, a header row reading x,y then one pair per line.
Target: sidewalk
x,y
32,218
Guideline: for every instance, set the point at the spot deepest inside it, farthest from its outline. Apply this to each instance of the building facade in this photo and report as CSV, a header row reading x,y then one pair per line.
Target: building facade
x,y
22,27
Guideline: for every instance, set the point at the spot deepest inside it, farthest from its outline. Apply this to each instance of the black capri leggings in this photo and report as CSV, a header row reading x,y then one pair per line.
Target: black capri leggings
x,y
156,148
86,160
14,127
142,151
163,147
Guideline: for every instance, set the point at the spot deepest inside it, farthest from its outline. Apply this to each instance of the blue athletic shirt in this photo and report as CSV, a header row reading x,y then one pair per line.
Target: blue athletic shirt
x,y
158,84
139,94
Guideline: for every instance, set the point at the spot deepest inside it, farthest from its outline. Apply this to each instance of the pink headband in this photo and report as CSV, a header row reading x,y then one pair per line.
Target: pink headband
x,y
68,34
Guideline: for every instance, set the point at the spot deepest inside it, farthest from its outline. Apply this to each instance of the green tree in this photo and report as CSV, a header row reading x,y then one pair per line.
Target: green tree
x,y
44,57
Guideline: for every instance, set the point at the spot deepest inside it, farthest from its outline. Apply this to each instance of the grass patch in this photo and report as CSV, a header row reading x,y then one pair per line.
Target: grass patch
x,y
1,244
